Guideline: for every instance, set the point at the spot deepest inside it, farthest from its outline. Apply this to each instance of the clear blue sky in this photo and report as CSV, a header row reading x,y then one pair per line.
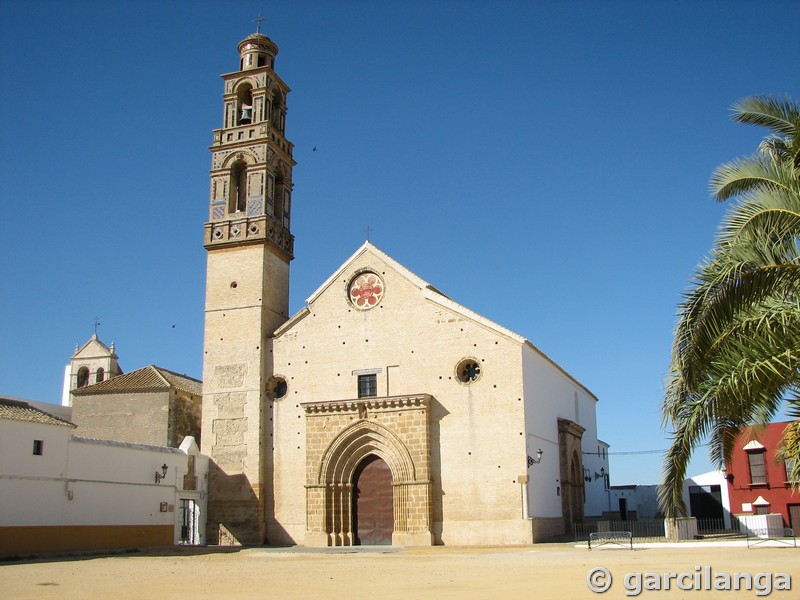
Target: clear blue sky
x,y
545,164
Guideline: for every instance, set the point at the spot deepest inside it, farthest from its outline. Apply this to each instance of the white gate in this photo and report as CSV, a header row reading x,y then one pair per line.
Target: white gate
x,y
190,518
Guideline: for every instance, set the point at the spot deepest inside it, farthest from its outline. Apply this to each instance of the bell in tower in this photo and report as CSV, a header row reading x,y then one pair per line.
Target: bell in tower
x,y
245,117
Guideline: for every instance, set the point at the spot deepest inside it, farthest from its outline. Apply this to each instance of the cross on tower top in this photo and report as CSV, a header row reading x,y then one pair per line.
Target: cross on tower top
x,y
96,323
258,22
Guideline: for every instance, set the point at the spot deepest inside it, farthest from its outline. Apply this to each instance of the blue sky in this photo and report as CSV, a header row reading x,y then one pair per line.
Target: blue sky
x,y
545,164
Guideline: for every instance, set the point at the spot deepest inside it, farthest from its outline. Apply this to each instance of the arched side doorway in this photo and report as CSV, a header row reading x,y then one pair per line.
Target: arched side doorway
x,y
570,456
373,502
576,499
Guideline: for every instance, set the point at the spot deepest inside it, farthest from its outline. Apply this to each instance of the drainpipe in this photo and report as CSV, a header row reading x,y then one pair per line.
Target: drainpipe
x,y
523,481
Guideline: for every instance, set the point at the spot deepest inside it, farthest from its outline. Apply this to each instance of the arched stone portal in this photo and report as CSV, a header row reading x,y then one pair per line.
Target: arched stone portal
x,y
341,438
570,456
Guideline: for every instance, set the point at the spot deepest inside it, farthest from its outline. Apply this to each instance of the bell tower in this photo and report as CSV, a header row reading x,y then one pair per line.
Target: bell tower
x,y
250,245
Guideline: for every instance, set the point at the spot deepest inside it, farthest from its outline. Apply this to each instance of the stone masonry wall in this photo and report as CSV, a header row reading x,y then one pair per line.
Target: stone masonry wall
x,y
339,435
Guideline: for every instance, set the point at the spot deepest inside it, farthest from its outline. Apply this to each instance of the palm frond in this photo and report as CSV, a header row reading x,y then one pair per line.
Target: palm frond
x,y
779,115
736,349
744,175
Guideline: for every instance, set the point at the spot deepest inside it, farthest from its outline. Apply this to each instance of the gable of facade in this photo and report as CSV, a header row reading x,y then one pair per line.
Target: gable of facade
x,y
459,373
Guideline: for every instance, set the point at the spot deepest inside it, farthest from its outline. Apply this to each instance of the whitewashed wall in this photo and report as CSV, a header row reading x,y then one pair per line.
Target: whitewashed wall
x,y
78,481
550,394
711,478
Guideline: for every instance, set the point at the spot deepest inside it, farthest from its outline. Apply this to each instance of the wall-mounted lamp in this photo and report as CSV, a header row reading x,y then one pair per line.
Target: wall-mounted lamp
x,y
728,476
602,473
537,460
160,476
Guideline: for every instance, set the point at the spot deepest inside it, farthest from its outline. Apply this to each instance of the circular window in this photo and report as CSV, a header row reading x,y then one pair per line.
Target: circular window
x,y
276,387
365,290
468,370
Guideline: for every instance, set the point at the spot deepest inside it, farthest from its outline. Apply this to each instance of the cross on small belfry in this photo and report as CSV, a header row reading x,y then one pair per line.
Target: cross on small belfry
x,y
258,22
368,230
96,323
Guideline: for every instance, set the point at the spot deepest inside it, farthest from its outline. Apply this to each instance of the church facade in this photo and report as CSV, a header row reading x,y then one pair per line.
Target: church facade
x,y
383,412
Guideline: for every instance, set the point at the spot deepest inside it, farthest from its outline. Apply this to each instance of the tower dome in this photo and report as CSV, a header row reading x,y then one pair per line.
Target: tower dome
x,y
256,51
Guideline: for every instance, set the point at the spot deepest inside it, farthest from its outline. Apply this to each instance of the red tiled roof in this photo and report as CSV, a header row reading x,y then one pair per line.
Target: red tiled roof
x,y
17,410
146,379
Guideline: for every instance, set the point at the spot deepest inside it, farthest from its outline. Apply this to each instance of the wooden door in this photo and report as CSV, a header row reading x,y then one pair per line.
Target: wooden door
x,y
373,502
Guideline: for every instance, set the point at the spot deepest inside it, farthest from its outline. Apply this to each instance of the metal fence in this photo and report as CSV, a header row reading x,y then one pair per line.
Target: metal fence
x,y
715,528
652,530
649,530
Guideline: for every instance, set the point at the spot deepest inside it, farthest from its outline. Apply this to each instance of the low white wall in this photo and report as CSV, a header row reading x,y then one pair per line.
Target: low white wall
x,y
765,526
84,482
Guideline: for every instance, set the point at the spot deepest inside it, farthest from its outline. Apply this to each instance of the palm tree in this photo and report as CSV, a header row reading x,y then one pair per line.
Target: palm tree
x,y
736,352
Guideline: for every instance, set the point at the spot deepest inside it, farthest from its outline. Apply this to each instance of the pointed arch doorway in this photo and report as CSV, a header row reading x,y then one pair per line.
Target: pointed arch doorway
x,y
346,442
373,502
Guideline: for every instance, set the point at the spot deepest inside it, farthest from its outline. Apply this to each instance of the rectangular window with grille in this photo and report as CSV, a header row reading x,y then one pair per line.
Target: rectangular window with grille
x,y
758,468
789,466
38,447
367,386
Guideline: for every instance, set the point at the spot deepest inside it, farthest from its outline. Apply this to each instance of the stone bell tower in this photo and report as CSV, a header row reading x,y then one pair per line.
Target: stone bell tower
x,y
249,245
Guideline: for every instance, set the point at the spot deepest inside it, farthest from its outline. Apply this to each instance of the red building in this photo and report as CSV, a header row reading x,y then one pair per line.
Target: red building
x,y
757,482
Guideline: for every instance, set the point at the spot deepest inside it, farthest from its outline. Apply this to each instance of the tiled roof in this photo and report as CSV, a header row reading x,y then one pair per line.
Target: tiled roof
x,y
147,379
17,410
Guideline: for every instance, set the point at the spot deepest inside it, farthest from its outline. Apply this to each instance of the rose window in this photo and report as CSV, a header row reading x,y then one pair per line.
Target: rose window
x,y
468,370
365,290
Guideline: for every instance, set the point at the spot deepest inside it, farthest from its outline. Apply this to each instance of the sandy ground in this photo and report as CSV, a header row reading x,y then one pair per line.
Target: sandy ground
x,y
541,571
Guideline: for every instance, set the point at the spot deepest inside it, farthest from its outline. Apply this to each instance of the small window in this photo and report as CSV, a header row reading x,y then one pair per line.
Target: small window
x,y
762,509
758,468
367,386
789,466
468,370
277,387
38,447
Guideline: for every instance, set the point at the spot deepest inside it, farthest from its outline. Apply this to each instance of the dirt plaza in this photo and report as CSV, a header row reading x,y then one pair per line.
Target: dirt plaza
x,y
540,571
